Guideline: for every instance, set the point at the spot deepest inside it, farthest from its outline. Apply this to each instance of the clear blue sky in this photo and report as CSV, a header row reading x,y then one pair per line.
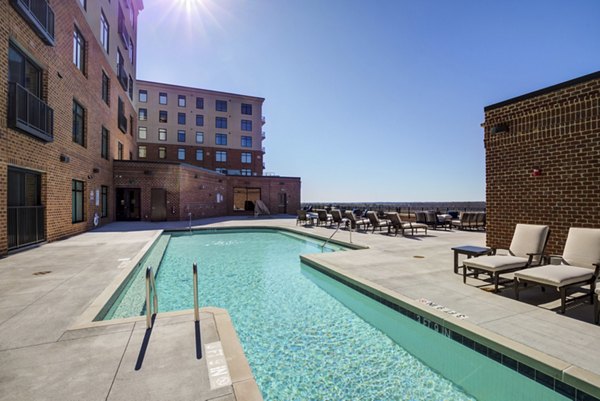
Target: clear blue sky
x,y
372,101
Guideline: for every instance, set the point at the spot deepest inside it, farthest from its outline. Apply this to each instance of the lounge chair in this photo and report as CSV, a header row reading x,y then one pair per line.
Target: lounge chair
x,y
580,265
376,223
302,217
597,306
526,249
323,218
355,222
467,221
337,218
398,225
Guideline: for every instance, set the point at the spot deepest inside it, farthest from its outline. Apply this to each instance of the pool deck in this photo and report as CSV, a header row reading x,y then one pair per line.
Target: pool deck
x,y
45,353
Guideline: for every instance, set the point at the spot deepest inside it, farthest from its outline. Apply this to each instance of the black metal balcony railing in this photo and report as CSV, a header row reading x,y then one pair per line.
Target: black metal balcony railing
x,y
25,225
39,15
29,113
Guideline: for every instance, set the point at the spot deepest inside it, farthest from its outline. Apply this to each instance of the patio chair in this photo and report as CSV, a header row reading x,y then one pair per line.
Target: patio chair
x,y
337,218
376,223
323,218
526,249
580,265
355,222
398,225
597,306
302,217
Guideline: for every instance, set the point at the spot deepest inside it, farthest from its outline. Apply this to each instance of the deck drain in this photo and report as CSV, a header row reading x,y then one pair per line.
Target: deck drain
x,y
42,273
419,257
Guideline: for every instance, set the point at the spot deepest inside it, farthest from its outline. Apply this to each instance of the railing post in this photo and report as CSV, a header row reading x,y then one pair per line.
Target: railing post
x,y
195,274
148,304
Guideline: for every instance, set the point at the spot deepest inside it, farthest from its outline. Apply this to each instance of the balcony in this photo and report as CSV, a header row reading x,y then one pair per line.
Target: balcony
x,y
40,17
263,135
29,113
263,119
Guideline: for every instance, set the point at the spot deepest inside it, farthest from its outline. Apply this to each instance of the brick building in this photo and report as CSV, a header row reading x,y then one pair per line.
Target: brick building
x,y
65,112
68,122
543,161
215,130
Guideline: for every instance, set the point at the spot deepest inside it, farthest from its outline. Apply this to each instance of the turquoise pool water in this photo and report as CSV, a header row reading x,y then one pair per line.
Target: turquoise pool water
x,y
308,337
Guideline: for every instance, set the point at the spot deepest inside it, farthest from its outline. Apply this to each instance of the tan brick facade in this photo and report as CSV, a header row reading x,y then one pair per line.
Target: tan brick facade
x,y
543,161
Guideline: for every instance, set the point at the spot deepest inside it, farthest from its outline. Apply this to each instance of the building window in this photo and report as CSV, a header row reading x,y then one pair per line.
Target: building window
x,y
24,72
181,100
78,123
162,152
104,143
83,4
143,96
220,139
130,87
246,171
199,154
246,157
221,156
121,119
221,122
181,154
78,50
221,170
103,201
162,116
162,134
199,120
247,109
121,73
246,141
105,88
221,105
180,136
243,198
119,151
77,201
141,152
199,102
199,137
246,125
142,133
162,98
142,114
181,118
130,125
131,52
104,31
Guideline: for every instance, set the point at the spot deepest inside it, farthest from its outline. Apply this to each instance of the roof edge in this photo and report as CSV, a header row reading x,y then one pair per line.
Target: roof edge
x,y
142,81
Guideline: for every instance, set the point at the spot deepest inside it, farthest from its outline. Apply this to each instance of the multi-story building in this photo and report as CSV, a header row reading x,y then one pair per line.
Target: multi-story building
x,y
66,112
215,130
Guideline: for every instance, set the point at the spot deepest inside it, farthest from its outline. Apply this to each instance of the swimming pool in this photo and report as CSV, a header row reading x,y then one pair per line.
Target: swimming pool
x,y
307,336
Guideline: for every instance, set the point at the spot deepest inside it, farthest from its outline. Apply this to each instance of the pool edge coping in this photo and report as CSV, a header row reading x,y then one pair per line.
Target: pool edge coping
x,y
575,376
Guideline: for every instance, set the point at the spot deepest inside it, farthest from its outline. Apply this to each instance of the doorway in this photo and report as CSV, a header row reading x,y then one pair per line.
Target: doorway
x,y
158,201
25,210
128,204
283,203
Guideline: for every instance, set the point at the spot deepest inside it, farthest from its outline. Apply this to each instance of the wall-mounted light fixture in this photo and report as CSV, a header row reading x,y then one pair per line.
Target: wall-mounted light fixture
x,y
536,172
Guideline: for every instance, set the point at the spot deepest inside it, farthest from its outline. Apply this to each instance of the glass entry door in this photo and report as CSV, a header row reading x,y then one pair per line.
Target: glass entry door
x,y
128,204
26,224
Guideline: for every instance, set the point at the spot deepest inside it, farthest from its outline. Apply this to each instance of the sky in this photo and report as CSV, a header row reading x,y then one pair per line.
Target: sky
x,y
372,101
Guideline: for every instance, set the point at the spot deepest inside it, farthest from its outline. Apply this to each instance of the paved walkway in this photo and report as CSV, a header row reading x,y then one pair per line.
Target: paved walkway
x,y
42,359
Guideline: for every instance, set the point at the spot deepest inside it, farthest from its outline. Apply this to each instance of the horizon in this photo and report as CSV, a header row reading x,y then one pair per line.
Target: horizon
x,y
371,102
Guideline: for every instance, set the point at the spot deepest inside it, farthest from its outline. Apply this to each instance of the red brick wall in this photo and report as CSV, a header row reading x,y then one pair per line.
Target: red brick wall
x,y
559,134
62,82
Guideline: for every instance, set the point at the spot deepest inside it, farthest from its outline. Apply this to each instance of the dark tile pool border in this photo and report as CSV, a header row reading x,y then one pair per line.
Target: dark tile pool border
x,y
550,382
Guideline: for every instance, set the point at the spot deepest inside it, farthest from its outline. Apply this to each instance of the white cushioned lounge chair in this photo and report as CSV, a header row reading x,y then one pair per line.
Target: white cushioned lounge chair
x,y
526,249
580,265
399,225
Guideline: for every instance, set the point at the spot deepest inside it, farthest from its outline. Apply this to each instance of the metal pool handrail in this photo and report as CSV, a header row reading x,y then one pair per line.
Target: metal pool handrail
x,y
335,232
196,312
150,288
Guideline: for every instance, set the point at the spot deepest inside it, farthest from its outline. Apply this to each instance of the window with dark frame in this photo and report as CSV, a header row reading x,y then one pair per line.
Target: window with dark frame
x,y
76,201
220,122
246,171
142,132
180,136
121,118
162,134
246,157
104,143
78,50
142,114
162,152
104,31
162,116
162,98
247,109
221,156
105,88
246,141
221,105
119,151
130,125
199,120
141,151
23,71
181,100
143,96
246,125
130,86
103,201
199,102
220,139
181,118
199,154
199,137
243,197
78,123
181,154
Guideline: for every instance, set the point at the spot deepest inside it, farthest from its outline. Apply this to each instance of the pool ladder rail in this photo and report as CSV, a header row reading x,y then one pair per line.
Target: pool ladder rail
x,y
335,232
150,292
